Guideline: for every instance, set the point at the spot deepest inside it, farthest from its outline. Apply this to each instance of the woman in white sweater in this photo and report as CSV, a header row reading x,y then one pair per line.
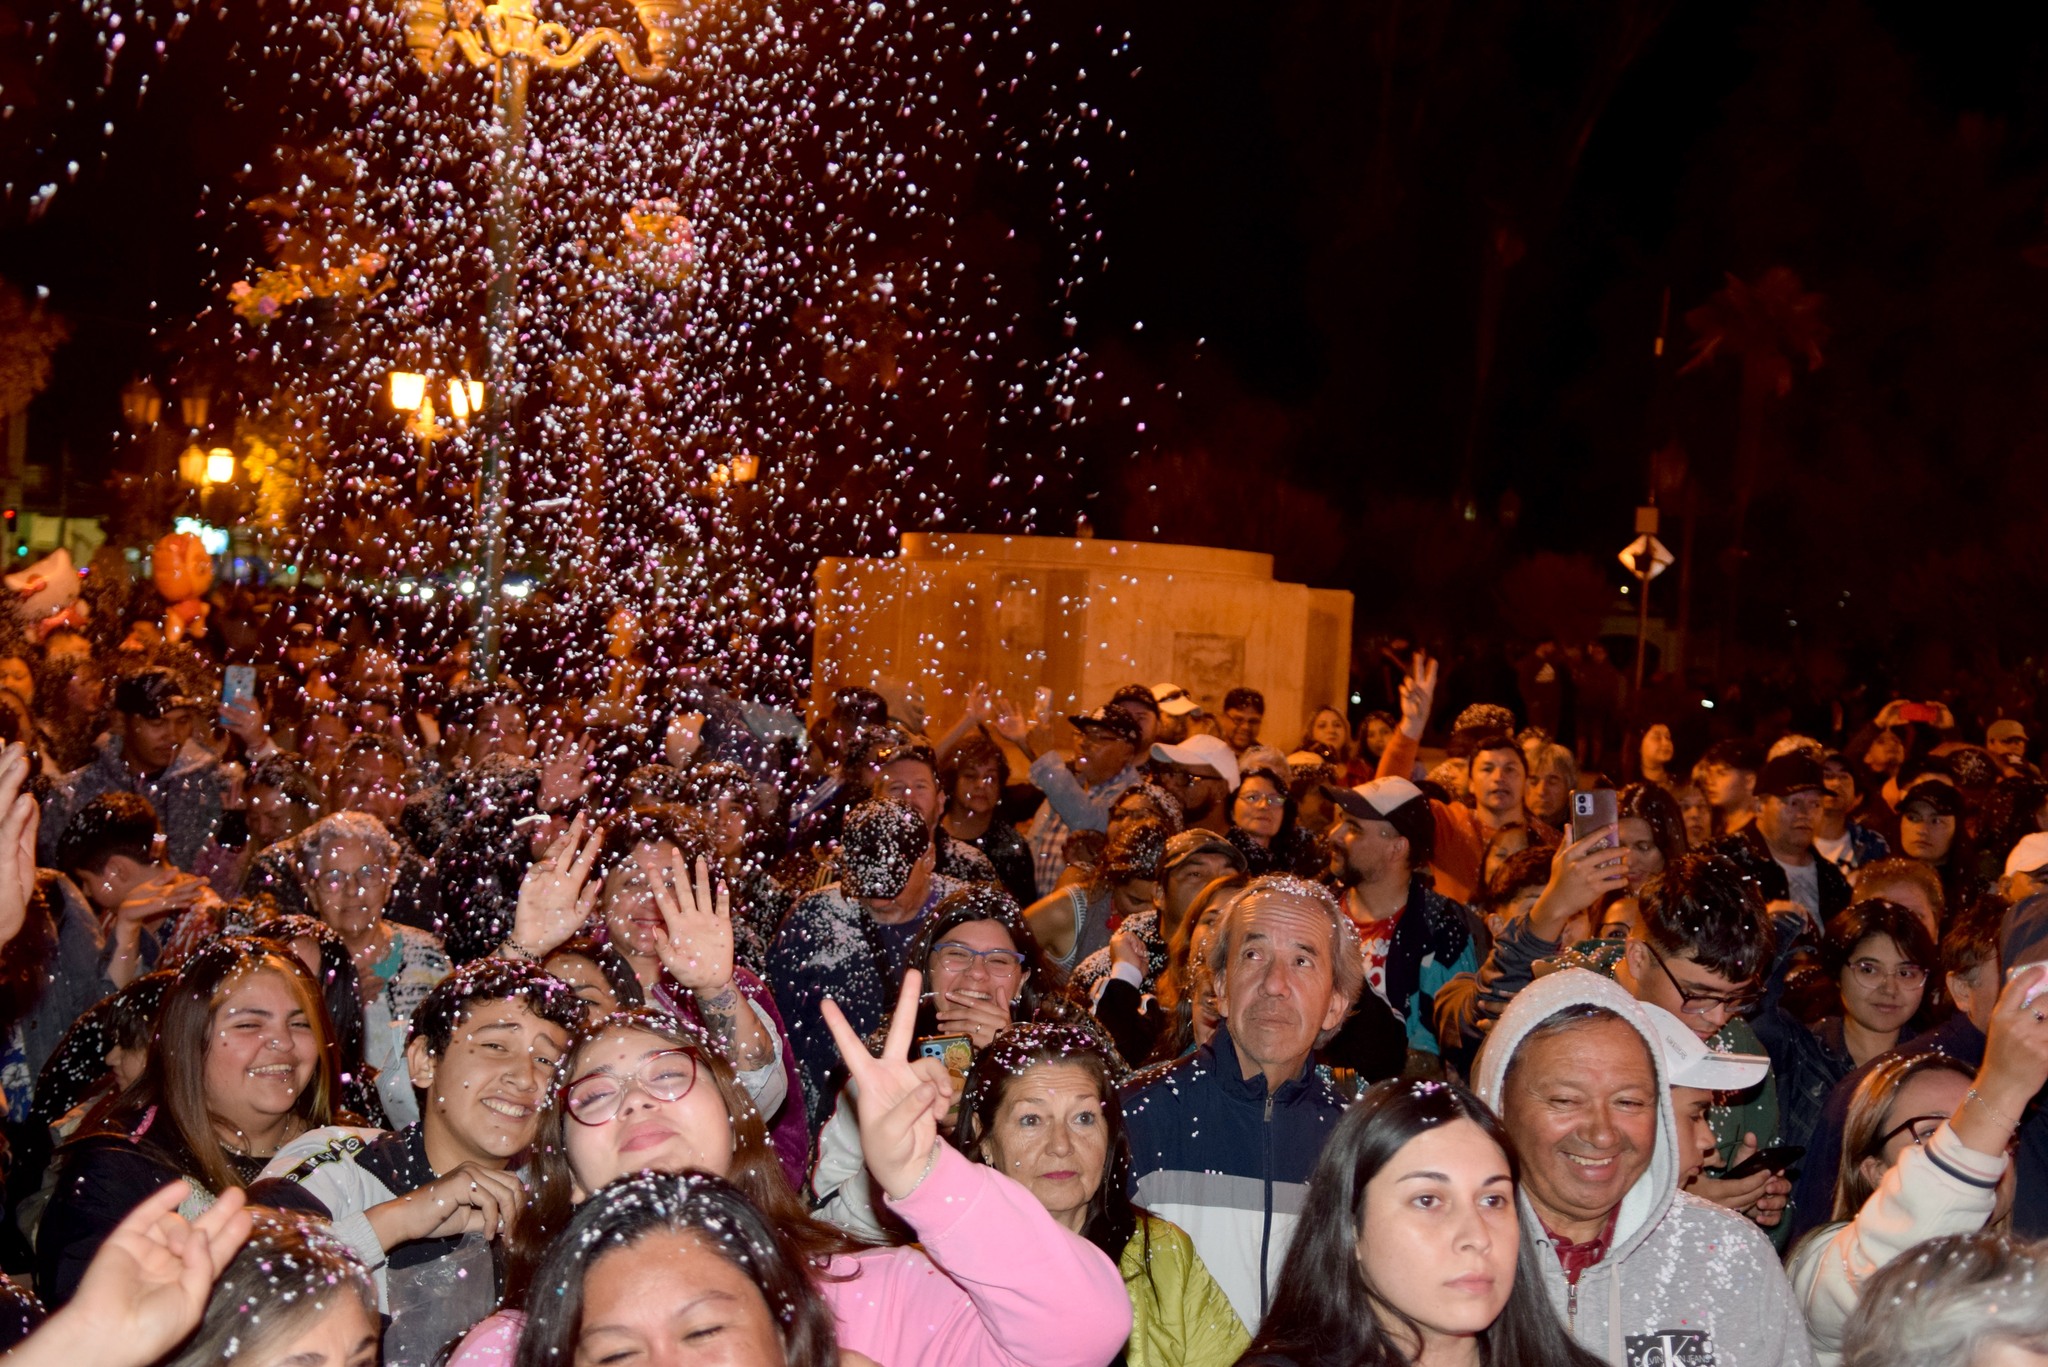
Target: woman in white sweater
x,y
1925,1153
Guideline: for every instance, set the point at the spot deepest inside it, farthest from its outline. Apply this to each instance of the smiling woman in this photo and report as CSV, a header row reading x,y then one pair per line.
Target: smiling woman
x,y
244,1062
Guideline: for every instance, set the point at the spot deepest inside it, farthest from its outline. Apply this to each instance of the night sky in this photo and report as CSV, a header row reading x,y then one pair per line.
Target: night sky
x,y
1324,213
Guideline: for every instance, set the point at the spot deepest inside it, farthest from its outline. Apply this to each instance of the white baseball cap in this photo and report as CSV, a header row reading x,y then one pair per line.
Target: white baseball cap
x,y
2030,854
1197,751
1688,1062
1174,701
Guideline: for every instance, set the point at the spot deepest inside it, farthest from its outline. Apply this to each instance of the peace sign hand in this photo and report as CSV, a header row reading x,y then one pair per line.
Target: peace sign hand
x,y
697,946
1418,694
899,1102
558,894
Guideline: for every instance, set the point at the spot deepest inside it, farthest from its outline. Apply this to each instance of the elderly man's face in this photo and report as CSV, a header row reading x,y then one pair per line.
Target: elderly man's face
x,y
1582,1107
1278,988
1099,755
912,783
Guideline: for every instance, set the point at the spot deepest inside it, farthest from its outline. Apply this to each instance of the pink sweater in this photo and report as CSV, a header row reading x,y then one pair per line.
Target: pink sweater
x,y
998,1284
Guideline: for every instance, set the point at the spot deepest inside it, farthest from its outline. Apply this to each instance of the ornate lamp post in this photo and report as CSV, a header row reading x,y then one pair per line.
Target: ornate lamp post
x,y
510,40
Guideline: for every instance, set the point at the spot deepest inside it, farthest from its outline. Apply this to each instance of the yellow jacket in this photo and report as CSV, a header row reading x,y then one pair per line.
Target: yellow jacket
x,y
1180,1316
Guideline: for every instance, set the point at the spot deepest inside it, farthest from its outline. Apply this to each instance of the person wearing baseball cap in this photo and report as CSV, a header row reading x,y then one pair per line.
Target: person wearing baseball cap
x,y
1789,792
2026,869
1840,838
1696,1073
1931,831
2006,739
1137,700
1078,792
1201,773
150,751
1415,939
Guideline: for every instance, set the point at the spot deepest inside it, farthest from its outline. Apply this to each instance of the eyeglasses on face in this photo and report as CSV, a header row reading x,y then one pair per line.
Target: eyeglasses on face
x,y
1263,799
959,958
1693,1002
1921,1127
595,1098
1871,973
361,880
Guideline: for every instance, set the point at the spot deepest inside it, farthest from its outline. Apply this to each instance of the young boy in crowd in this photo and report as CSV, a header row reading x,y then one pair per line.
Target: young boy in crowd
x,y
428,1208
114,851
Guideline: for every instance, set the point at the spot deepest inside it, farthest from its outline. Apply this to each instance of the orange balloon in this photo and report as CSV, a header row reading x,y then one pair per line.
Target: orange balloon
x,y
181,567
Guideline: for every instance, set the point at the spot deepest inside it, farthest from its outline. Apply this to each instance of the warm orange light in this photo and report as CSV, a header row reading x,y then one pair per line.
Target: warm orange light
x,y
458,400
192,465
220,466
745,467
408,390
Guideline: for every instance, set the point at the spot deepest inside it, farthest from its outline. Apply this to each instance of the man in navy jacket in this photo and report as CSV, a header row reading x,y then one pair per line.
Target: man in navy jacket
x,y
1223,1141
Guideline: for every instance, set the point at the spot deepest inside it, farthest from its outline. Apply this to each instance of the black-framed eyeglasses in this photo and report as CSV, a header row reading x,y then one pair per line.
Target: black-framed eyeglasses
x,y
1912,1123
1696,1003
595,1098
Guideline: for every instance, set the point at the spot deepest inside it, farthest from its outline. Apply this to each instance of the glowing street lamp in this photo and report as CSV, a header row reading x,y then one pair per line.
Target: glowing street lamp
x,y
408,391
220,466
509,39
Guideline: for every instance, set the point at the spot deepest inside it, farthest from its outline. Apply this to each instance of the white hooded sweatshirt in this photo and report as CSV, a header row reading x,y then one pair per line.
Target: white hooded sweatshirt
x,y
1684,1283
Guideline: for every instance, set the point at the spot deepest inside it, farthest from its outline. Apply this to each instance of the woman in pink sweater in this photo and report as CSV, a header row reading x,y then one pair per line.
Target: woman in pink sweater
x,y
996,1282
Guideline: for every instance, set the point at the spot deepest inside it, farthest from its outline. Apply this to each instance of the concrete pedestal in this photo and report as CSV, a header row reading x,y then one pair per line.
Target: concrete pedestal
x,y
1080,617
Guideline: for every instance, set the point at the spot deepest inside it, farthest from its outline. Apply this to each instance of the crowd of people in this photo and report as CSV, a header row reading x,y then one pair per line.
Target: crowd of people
x,y
378,1013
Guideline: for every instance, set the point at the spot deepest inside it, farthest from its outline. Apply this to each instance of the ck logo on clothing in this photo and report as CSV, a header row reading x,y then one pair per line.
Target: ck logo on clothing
x,y
1671,1348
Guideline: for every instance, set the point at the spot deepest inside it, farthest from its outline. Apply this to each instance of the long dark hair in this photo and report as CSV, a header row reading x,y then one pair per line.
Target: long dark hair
x,y
716,1211
170,1096
1325,1314
756,1170
1653,805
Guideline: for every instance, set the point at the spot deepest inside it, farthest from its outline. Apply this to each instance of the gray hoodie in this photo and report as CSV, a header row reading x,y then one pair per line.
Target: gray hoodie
x,y
1685,1283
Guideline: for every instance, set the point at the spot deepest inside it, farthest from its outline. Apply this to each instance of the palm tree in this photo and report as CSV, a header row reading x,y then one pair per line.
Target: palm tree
x,y
1766,327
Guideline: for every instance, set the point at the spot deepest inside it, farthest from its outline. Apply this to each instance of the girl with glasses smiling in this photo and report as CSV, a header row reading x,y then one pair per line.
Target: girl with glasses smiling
x,y
983,972
644,1092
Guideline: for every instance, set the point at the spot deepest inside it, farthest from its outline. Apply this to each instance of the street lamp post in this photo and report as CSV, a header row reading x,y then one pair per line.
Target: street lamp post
x,y
510,39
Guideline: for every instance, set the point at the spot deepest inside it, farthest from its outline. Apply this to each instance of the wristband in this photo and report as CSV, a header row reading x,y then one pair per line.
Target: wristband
x,y
1974,1095
513,949
929,1164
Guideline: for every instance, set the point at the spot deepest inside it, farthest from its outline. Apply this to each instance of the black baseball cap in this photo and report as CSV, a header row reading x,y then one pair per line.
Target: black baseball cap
x,y
1792,772
1137,695
1745,755
1942,797
150,693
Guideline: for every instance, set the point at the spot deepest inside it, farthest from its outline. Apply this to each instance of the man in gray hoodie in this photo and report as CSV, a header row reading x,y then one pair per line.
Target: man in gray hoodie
x,y
1644,1274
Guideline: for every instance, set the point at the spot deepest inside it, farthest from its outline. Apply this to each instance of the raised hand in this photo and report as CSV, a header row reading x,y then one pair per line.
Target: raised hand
x,y
2015,1063
899,1103
1580,874
1418,695
696,947
19,817
244,721
147,1287
981,705
1010,722
559,893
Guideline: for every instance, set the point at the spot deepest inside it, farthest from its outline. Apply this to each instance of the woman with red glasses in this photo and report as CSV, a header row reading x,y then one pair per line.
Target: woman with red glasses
x,y
645,1092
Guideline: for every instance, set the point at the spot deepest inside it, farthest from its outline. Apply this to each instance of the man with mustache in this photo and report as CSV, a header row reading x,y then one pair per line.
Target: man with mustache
x,y
1641,1272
